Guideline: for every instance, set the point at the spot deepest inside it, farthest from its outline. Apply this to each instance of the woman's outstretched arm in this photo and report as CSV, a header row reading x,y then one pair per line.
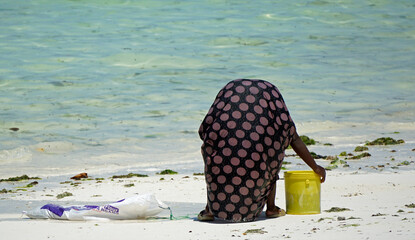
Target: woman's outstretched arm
x,y
301,149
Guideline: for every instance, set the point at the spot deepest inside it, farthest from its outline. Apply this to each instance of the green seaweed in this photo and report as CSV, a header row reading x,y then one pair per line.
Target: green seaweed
x,y
31,184
21,178
75,184
335,163
317,156
331,167
385,141
130,175
362,155
412,205
62,195
343,154
198,174
405,163
378,215
361,149
167,172
129,185
258,230
337,209
307,140
5,191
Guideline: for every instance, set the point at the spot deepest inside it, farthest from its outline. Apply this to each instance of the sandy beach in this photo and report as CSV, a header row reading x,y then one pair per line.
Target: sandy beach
x,y
379,203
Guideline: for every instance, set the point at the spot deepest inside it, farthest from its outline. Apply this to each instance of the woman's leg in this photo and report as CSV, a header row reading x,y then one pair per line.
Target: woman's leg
x,y
272,209
206,215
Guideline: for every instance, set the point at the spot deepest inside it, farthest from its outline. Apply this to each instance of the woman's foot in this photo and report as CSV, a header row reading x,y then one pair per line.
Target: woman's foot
x,y
275,212
205,216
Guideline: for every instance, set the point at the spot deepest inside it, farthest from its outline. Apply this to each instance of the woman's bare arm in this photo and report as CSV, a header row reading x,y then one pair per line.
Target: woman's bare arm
x,y
301,149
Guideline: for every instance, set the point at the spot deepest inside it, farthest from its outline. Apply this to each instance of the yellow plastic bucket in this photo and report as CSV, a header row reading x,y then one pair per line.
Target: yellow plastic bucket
x,y
302,192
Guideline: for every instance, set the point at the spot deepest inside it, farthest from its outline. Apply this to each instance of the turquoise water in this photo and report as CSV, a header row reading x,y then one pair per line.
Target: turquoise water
x,y
125,84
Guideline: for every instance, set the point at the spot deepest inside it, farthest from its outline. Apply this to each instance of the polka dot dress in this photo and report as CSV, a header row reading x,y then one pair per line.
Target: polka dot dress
x,y
245,134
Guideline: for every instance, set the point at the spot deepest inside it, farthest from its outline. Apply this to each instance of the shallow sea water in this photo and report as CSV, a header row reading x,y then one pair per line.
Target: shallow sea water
x,y
113,85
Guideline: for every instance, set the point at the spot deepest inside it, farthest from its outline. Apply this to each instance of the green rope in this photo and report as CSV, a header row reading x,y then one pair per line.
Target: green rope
x,y
177,218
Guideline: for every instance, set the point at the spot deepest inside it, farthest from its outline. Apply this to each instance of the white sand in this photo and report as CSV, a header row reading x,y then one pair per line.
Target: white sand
x,y
366,194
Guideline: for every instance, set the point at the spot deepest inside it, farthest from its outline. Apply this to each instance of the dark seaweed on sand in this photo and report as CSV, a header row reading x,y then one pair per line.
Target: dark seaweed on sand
x,y
167,172
21,178
5,191
130,175
361,149
412,205
362,155
337,209
62,195
307,140
317,156
385,141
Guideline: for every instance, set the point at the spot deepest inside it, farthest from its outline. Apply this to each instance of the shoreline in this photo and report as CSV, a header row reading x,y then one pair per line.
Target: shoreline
x,y
57,158
376,202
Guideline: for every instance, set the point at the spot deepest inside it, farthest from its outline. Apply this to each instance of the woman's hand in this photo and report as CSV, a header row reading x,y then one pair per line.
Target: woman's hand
x,y
301,149
321,172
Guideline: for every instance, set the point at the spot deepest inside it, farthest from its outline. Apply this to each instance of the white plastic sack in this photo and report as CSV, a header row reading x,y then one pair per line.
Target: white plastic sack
x,y
137,207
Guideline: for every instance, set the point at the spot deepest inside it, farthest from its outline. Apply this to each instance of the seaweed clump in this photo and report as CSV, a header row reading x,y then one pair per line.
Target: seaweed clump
x,y
412,205
21,178
404,163
62,195
5,191
130,175
32,184
317,156
259,231
385,141
335,162
362,155
361,149
307,140
167,172
337,209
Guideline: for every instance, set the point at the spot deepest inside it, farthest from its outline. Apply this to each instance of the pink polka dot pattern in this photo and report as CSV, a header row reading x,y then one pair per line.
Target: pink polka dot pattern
x,y
245,134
